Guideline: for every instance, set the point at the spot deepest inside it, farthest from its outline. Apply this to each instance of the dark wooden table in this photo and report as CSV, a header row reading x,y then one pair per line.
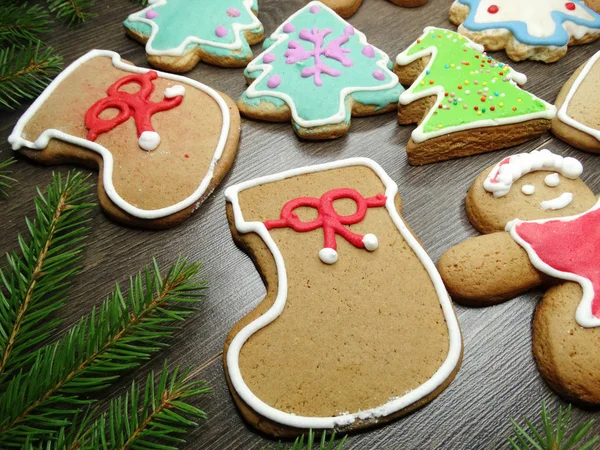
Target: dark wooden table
x,y
498,379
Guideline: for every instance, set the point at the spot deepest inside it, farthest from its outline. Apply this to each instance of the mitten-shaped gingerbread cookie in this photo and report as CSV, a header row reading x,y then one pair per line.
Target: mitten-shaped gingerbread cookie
x,y
162,142
552,223
356,328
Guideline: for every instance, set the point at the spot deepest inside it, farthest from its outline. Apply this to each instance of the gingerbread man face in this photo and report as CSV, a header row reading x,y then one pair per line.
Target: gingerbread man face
x,y
552,237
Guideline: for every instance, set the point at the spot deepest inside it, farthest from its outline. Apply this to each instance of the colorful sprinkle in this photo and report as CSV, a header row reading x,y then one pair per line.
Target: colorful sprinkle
x,y
378,75
151,14
368,51
233,12
492,108
221,31
289,27
268,58
274,81
570,6
315,9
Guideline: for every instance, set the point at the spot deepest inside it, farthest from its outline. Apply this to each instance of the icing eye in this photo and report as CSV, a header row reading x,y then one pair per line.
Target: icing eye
x,y
493,9
570,6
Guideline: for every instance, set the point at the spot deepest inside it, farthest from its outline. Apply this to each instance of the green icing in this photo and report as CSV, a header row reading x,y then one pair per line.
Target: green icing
x,y
475,86
179,19
313,102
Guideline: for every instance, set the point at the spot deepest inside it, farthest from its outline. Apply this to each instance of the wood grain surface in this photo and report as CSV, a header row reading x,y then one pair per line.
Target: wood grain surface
x,y
498,379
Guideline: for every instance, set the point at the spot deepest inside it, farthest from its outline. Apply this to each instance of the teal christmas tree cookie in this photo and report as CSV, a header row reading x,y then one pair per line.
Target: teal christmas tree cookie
x,y
464,101
180,33
317,70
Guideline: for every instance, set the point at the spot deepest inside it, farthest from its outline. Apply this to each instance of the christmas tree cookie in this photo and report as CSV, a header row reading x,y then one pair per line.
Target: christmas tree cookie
x,y
162,142
464,101
347,8
317,70
180,33
356,328
534,29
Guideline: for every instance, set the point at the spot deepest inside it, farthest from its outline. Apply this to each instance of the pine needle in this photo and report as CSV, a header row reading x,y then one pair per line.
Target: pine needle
x,y
25,72
20,23
34,284
5,179
323,444
71,11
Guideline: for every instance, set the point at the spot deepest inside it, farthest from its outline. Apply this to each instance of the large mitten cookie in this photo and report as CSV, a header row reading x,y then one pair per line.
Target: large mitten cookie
x,y
347,8
578,118
464,101
356,328
162,142
317,70
180,33
536,29
558,244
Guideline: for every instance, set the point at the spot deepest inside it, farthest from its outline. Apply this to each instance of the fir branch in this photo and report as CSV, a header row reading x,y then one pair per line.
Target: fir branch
x,y
37,278
25,72
324,444
5,179
22,22
71,11
123,332
554,435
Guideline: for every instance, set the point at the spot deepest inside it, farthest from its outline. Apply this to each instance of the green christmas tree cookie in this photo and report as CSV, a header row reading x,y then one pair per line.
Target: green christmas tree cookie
x,y
464,101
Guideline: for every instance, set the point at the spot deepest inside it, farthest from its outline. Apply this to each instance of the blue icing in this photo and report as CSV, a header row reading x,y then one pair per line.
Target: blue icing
x,y
518,28
315,102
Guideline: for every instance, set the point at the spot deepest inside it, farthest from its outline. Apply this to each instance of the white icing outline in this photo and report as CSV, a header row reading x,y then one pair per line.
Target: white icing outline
x,y
562,112
279,36
407,97
395,404
560,202
584,315
180,50
17,141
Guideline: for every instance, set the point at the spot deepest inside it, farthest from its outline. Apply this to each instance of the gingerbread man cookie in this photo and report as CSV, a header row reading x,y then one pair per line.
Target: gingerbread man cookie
x,y
356,328
179,33
317,70
537,29
347,8
162,142
542,226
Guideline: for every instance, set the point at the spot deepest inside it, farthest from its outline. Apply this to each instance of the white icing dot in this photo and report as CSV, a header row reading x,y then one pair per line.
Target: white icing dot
x,y
328,255
174,91
552,180
370,241
149,140
528,189
572,168
559,202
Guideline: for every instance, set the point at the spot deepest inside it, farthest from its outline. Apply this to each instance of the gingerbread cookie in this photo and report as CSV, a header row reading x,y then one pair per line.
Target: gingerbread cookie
x,y
539,30
347,8
180,33
162,142
552,223
317,70
356,328
464,101
578,118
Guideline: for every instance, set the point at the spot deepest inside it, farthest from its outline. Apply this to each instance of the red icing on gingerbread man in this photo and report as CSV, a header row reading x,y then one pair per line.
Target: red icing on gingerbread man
x,y
331,222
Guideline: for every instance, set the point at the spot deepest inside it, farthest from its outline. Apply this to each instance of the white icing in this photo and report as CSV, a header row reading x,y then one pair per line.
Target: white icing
x,y
505,174
408,96
560,202
583,315
552,180
371,242
238,29
17,141
149,140
175,91
563,115
394,404
528,189
328,255
277,37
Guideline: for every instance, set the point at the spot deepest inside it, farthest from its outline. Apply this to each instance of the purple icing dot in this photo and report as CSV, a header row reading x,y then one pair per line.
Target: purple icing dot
x,y
288,27
268,58
221,31
151,14
274,81
368,51
349,30
379,75
315,9
233,12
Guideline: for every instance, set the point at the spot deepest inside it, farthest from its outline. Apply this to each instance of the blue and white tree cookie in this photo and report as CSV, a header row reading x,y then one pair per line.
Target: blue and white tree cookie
x,y
534,29
180,33
317,70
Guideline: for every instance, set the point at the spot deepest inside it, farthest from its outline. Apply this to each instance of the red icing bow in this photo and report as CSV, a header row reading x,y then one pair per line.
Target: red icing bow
x,y
331,222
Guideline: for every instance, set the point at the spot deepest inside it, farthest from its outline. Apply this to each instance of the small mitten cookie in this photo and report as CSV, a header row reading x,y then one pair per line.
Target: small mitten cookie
x,y
464,101
180,33
318,70
539,30
560,243
347,8
356,328
578,119
162,142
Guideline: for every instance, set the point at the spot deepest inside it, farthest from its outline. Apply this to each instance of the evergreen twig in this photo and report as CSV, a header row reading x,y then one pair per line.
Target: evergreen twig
x,y
5,179
71,11
22,22
323,443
